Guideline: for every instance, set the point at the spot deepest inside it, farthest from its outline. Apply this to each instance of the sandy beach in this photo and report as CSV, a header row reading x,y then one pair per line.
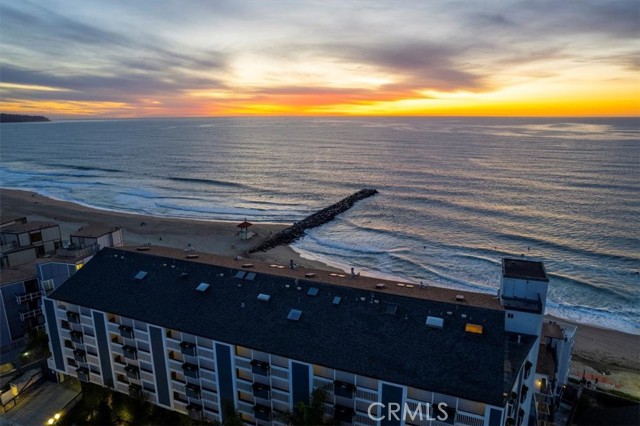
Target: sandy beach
x,y
609,354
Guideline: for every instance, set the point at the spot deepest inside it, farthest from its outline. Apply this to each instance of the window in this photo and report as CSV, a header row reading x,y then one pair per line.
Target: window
x,y
35,237
510,316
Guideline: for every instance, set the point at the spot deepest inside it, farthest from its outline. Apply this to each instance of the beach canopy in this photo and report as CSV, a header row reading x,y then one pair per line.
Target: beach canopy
x,y
245,224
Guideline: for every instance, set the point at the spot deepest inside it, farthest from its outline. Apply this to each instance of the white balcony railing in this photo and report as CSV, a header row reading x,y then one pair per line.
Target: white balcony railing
x,y
28,297
30,314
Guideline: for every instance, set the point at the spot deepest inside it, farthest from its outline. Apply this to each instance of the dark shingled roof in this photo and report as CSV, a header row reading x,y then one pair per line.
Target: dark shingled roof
x,y
356,335
524,269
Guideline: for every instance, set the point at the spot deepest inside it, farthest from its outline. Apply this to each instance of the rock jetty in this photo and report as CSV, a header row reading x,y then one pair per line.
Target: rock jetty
x,y
296,231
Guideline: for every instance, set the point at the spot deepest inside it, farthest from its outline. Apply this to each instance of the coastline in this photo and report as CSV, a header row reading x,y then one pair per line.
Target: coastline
x,y
598,351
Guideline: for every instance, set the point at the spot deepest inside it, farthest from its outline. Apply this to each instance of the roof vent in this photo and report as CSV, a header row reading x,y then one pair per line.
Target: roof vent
x,y
202,287
381,285
336,300
184,275
459,298
294,315
463,316
435,322
449,313
313,291
140,275
473,328
264,297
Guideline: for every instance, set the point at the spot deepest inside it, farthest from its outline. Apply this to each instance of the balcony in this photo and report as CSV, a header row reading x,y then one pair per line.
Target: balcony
x,y
192,391
262,412
28,297
80,355
126,331
194,411
260,367
30,314
130,352
73,317
343,414
521,304
83,374
135,391
260,390
187,348
344,389
77,253
133,372
190,370
76,336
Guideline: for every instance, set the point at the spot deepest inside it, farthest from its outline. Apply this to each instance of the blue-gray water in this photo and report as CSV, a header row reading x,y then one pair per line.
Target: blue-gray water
x,y
456,194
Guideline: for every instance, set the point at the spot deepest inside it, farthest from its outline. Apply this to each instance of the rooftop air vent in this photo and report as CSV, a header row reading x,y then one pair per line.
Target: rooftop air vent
x,y
459,298
184,275
140,275
202,287
435,322
313,291
381,285
294,315
264,297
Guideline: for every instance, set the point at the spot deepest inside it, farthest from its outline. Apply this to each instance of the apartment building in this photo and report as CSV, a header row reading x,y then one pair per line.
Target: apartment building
x,y
192,332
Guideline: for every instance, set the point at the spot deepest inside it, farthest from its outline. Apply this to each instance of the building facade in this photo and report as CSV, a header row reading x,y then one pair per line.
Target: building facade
x,y
192,336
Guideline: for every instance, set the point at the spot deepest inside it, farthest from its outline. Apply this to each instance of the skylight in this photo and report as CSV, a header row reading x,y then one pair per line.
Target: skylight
x,y
202,287
435,322
473,328
313,291
240,274
391,309
294,315
264,297
336,300
250,276
140,275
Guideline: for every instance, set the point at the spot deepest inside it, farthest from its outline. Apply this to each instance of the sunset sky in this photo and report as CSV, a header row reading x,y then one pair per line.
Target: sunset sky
x,y
218,58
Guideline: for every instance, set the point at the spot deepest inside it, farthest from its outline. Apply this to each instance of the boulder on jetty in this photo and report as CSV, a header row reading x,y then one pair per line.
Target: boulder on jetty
x,y
296,231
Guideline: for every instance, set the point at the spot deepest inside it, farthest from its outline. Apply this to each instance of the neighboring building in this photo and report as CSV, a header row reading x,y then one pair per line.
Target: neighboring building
x,y
54,270
20,305
193,334
554,358
43,236
97,235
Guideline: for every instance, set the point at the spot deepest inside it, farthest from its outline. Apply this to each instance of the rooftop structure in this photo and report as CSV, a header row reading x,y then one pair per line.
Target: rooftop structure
x,y
94,231
20,227
524,269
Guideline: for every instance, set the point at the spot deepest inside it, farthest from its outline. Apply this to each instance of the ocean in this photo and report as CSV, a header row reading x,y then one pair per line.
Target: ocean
x,y
456,194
